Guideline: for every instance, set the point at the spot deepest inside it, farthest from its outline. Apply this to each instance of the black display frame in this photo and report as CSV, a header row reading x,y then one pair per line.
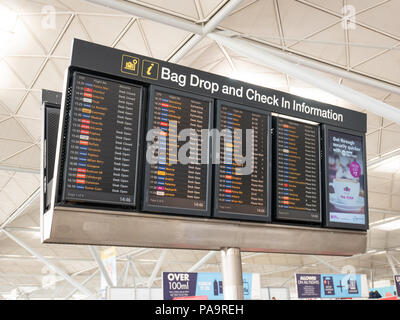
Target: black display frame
x,y
139,142
47,191
325,186
275,216
217,213
145,198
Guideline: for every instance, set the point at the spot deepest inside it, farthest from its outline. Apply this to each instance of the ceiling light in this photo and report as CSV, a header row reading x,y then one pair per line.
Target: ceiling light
x,y
389,226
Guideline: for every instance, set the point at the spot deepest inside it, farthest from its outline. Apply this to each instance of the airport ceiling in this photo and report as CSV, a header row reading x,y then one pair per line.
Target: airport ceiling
x,y
36,42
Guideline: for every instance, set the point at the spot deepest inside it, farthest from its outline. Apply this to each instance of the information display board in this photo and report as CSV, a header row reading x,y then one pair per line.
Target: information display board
x,y
242,182
296,171
345,179
102,142
179,177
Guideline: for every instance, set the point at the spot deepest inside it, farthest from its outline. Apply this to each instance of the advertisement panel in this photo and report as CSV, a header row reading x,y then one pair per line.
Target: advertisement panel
x,y
328,286
346,183
340,286
308,286
205,285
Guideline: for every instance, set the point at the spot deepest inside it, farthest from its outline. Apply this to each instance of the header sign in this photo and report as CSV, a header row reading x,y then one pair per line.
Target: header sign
x,y
132,66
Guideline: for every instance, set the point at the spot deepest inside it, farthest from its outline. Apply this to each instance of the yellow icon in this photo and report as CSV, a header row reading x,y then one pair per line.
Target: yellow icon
x,y
148,72
131,65
150,69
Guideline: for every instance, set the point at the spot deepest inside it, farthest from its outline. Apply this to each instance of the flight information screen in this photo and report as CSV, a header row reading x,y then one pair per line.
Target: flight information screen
x,y
297,171
177,170
101,150
241,176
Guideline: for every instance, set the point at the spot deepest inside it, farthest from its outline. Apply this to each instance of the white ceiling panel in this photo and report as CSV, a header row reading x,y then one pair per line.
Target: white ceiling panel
x,y
82,6
25,67
365,43
7,149
332,5
369,91
54,70
29,182
379,184
9,78
373,122
390,140
133,41
4,113
75,30
380,67
29,158
162,40
14,192
209,7
46,25
10,100
185,8
263,24
102,29
378,17
196,52
23,6
209,55
295,14
362,5
317,46
26,43
31,107
12,129
33,126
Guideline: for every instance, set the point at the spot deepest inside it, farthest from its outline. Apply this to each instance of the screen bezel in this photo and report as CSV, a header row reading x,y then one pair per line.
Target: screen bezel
x,y
267,162
275,211
146,206
138,145
326,221
48,107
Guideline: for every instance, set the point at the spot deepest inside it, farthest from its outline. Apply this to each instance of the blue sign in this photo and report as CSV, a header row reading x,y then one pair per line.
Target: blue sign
x,y
340,285
207,285
383,292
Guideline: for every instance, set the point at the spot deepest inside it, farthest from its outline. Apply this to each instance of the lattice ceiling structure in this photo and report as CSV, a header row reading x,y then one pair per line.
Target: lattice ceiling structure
x,y
36,42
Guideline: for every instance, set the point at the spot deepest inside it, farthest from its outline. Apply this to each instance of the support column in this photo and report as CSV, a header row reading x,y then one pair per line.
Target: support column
x,y
232,274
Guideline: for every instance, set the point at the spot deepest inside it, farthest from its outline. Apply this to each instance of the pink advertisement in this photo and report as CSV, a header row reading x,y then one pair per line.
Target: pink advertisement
x,y
346,175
